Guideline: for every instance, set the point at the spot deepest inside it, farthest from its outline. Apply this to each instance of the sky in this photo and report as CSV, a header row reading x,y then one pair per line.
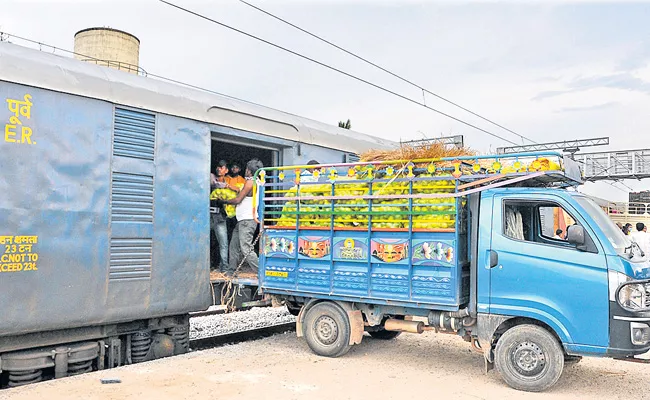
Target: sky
x,y
547,70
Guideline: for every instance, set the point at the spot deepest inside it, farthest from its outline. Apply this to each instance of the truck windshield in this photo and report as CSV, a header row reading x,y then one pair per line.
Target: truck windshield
x,y
613,233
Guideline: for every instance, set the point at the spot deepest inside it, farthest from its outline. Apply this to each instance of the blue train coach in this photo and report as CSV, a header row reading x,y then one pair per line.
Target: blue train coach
x,y
104,207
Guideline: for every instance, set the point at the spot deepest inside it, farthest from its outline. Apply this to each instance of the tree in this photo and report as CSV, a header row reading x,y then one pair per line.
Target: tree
x,y
345,125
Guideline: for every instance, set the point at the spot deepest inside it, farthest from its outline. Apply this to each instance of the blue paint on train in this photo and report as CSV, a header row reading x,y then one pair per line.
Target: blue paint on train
x,y
101,259
117,198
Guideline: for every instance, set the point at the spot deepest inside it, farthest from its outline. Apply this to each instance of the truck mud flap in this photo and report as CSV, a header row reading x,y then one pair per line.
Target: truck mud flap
x,y
356,326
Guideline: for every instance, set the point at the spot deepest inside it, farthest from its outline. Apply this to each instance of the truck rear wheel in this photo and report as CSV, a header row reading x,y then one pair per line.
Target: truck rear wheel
x,y
529,358
327,330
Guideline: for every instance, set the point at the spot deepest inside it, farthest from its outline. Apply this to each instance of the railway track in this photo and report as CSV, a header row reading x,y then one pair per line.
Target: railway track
x,y
222,339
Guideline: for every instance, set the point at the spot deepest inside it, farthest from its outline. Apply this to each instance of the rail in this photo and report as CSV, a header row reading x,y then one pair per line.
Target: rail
x,y
205,343
120,65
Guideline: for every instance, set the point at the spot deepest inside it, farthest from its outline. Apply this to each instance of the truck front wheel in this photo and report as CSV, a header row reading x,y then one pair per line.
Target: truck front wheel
x,y
327,330
529,358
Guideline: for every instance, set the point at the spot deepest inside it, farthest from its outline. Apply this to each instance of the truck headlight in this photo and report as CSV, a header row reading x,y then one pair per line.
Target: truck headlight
x,y
616,279
632,296
640,333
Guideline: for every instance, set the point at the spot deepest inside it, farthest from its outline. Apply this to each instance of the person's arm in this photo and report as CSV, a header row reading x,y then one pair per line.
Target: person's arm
x,y
248,187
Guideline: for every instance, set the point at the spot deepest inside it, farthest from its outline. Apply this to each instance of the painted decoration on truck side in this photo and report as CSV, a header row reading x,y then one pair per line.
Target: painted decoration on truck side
x,y
314,246
350,280
389,250
349,249
15,130
431,286
279,246
433,252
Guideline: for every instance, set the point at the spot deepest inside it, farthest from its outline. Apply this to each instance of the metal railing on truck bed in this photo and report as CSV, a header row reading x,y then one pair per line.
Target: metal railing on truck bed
x,y
391,230
340,196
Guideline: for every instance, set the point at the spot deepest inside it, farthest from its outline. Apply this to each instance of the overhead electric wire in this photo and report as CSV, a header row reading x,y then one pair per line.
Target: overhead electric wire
x,y
365,60
189,85
295,53
148,74
620,181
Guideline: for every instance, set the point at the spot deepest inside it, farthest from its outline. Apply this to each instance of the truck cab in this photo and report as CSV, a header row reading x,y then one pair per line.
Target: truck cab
x,y
510,257
588,287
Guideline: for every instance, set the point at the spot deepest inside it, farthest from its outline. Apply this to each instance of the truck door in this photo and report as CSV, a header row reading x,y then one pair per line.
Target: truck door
x,y
537,274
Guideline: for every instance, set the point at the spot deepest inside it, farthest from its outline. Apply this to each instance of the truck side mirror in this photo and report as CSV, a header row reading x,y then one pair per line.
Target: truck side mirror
x,y
576,236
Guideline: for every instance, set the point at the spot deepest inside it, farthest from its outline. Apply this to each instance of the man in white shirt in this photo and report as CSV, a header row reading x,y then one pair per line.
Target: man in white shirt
x,y
241,242
642,238
308,174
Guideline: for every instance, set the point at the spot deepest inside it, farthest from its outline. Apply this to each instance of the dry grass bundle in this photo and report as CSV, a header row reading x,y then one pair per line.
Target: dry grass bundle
x,y
411,152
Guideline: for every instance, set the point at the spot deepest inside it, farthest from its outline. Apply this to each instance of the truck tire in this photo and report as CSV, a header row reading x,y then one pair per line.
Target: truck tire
x,y
327,330
529,358
384,334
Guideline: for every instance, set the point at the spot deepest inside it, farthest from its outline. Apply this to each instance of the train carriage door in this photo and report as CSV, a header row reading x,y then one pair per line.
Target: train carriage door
x,y
237,150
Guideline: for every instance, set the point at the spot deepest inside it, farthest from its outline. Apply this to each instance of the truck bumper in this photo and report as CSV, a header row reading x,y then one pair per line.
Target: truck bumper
x,y
629,333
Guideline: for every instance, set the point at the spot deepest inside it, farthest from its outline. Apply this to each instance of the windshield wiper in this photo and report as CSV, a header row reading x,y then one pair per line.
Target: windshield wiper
x,y
631,248
628,248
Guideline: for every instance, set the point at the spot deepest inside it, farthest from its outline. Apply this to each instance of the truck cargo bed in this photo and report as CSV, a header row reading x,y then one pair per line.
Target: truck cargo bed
x,y
375,267
383,232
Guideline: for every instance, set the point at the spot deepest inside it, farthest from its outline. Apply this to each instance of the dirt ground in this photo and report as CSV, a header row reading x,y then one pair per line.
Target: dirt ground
x,y
283,367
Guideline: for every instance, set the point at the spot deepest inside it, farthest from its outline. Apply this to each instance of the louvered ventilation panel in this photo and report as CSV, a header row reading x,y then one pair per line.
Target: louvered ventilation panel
x,y
134,134
131,198
130,259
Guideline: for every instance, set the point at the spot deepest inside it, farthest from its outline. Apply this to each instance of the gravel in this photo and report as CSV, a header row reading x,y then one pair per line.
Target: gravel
x,y
222,324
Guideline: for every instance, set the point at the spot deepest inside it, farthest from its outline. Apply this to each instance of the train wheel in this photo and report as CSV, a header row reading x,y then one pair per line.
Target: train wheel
x,y
327,330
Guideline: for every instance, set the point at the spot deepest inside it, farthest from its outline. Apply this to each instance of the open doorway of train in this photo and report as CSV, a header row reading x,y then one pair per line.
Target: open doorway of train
x,y
236,152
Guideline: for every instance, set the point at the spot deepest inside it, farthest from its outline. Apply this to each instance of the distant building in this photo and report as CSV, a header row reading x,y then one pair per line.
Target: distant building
x,y
640,197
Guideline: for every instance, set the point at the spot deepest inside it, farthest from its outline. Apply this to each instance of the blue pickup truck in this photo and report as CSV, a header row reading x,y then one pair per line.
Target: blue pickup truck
x,y
501,250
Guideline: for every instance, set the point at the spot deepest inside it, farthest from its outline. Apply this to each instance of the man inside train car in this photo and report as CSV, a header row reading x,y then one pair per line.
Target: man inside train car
x,y
234,178
223,176
218,221
236,181
241,243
